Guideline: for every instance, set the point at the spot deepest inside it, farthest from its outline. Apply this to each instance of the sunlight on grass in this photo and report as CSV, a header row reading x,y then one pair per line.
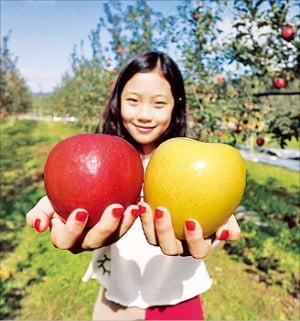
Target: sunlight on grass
x,y
238,295
284,177
293,144
56,130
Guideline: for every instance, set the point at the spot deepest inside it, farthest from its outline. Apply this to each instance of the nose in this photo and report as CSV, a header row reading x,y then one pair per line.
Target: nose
x,y
144,113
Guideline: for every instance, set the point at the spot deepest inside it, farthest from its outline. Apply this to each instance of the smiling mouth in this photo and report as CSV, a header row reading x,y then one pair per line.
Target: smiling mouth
x,y
144,129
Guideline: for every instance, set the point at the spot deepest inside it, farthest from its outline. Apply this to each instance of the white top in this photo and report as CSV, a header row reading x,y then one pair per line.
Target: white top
x,y
136,273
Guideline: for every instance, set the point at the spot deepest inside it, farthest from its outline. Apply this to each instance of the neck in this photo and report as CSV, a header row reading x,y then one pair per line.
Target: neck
x,y
148,149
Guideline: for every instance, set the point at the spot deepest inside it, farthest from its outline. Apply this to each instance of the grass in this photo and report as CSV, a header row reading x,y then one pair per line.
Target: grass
x,y
26,161
47,281
261,173
238,295
55,130
293,144
50,281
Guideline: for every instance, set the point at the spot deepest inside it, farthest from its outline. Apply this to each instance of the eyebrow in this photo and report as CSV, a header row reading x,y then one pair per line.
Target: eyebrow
x,y
130,93
161,95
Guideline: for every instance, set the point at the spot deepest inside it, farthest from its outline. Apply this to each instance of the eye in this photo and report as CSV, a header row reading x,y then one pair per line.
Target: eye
x,y
160,104
132,101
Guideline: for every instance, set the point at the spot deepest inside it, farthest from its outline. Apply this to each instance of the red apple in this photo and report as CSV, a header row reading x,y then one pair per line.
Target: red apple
x,y
260,141
288,33
280,82
239,128
196,90
220,133
220,78
92,171
120,51
196,15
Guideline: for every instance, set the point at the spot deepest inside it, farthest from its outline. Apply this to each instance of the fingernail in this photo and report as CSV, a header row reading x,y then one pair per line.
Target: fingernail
x,y
81,216
190,225
142,209
37,225
224,235
158,213
118,212
135,212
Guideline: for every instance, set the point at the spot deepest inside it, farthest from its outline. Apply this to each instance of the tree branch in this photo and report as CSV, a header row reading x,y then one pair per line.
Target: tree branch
x,y
277,93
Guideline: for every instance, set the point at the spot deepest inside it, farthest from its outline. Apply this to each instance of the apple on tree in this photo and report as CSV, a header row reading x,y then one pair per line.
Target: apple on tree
x,y
288,33
192,179
239,128
196,16
280,82
260,141
92,171
220,78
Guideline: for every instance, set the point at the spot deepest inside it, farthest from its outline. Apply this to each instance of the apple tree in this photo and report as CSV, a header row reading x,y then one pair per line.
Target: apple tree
x,y
83,92
219,101
264,42
15,95
226,74
203,63
135,28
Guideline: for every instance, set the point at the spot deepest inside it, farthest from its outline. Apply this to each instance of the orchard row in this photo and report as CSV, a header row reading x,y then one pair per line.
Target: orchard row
x,y
241,86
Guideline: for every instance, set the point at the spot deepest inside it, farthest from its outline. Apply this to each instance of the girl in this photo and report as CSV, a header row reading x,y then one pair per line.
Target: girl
x,y
145,272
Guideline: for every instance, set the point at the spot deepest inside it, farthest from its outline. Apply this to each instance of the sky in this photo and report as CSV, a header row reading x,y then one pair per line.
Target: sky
x,y
44,32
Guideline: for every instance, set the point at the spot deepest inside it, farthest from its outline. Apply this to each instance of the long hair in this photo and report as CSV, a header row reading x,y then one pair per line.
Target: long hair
x,y
146,62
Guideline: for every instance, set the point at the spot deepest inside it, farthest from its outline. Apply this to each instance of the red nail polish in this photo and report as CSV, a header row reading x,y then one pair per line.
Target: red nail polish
x,y
118,212
224,235
142,209
190,225
81,216
158,213
135,212
37,225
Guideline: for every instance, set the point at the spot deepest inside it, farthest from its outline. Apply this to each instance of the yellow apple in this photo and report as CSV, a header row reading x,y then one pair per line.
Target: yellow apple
x,y
192,179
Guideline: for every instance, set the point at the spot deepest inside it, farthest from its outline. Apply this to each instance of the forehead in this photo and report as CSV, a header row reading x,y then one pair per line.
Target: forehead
x,y
148,81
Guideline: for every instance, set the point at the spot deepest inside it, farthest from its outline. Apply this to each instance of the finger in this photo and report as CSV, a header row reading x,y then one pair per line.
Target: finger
x,y
165,232
130,214
147,219
106,226
65,234
198,246
40,215
230,231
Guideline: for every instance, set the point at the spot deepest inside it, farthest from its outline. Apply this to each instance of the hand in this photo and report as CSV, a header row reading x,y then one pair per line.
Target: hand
x,y
71,234
158,230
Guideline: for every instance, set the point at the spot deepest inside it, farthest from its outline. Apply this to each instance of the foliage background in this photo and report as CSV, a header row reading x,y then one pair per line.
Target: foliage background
x,y
229,77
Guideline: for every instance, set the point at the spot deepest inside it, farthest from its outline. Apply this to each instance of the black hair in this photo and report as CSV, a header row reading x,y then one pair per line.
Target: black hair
x,y
146,62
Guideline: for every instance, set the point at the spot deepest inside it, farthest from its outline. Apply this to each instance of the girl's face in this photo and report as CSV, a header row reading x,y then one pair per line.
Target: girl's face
x,y
146,108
